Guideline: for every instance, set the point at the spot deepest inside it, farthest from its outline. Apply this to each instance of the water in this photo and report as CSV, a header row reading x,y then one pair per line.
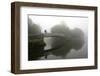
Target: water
x,y
81,53
48,43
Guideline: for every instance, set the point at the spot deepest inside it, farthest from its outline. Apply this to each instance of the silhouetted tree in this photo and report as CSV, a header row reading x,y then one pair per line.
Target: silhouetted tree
x,y
33,28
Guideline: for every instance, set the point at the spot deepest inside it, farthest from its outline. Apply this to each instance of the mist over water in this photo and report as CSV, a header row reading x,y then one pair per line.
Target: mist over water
x,y
75,40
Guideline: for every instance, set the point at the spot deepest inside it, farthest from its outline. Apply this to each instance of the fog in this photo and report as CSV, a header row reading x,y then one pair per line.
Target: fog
x,y
75,40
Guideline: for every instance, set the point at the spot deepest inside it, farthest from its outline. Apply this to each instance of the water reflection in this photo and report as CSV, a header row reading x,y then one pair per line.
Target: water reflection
x,y
48,43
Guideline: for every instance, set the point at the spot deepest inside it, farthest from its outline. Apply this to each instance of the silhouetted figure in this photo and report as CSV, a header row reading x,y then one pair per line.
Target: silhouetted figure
x,y
45,31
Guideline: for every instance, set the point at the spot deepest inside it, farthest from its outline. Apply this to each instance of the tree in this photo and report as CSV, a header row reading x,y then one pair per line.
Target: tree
x,y
35,41
74,39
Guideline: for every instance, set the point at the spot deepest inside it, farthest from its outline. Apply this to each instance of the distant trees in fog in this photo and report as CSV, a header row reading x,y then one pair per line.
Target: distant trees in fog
x,y
33,28
74,39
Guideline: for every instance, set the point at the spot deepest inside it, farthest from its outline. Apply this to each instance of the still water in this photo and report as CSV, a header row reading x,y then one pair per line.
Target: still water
x,y
73,54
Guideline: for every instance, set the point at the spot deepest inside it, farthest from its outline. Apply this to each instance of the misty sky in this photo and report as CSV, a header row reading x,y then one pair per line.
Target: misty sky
x,y
47,22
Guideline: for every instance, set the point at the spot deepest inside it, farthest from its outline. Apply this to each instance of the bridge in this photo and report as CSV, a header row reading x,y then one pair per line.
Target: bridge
x,y
47,35
53,35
